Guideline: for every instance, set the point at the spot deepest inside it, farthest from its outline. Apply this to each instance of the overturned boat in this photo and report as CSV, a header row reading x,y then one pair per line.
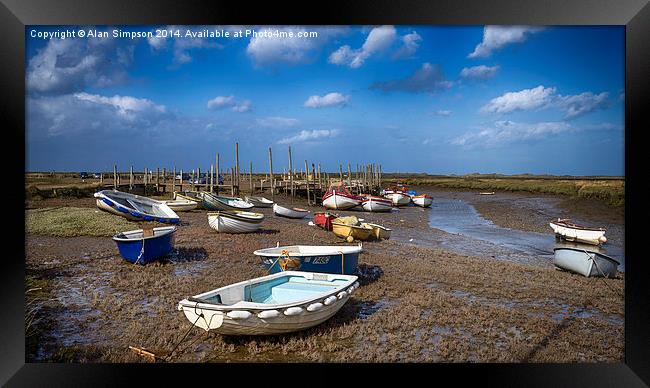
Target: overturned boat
x,y
273,304
293,212
563,228
585,262
235,221
135,207
143,246
311,258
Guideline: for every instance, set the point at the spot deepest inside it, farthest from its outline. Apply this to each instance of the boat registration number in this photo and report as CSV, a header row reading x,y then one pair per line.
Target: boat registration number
x,y
321,260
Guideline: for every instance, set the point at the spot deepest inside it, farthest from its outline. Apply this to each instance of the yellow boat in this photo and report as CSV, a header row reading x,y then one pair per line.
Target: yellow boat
x,y
379,232
356,232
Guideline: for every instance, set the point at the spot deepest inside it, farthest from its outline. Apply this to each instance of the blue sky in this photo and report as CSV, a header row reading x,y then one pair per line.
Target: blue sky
x,y
435,99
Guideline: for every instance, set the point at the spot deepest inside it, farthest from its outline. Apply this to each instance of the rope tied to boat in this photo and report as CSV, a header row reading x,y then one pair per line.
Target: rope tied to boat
x,y
284,253
199,316
342,263
141,249
593,258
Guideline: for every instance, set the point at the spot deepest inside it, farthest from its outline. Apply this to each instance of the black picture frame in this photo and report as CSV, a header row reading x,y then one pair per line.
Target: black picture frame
x,y
634,14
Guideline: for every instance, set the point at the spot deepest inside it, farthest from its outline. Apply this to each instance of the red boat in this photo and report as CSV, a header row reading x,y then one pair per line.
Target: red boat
x,y
338,197
324,220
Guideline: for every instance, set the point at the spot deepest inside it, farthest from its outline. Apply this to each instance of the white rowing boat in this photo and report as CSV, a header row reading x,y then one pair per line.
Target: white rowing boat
x,y
283,302
181,205
372,203
294,212
235,221
338,197
423,200
135,207
259,201
399,198
573,232
584,262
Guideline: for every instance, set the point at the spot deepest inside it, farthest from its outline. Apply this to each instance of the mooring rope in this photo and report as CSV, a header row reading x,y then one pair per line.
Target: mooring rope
x,y
186,333
593,258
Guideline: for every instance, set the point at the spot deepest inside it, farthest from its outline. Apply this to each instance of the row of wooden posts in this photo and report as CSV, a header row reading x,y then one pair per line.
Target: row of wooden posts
x,y
367,178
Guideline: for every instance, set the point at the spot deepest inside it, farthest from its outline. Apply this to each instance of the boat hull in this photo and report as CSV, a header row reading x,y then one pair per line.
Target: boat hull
x,y
327,259
226,223
399,199
356,232
214,202
377,205
586,263
115,202
259,202
324,220
380,232
594,237
182,205
250,318
289,213
339,201
154,247
422,201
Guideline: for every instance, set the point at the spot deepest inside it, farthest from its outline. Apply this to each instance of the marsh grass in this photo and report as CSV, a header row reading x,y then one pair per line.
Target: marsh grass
x,y
610,191
74,221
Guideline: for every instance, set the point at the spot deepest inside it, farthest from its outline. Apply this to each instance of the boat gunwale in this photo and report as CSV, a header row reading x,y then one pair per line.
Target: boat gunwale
x,y
587,252
172,230
569,225
352,249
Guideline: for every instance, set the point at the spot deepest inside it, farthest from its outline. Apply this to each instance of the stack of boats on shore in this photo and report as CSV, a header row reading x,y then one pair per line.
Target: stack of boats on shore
x,y
578,250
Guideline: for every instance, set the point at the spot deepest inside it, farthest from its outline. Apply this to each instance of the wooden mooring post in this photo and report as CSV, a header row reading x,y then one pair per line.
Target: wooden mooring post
x,y
307,177
251,177
131,178
291,173
271,175
237,172
217,171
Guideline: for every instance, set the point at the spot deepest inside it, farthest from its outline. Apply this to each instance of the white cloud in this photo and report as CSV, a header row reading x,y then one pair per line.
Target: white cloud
x,y
443,113
183,45
428,78
268,50
379,39
309,136
481,72
580,104
541,97
507,132
89,113
277,122
330,99
496,37
523,100
67,65
411,42
221,102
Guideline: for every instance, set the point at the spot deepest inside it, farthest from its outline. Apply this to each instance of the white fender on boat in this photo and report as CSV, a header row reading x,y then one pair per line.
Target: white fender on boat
x,y
293,311
356,285
266,314
342,294
329,300
315,306
350,290
239,314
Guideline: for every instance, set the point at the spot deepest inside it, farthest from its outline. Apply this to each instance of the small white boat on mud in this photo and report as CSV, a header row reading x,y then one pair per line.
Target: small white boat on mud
x,y
283,302
294,212
235,221
399,198
135,207
212,201
259,201
181,205
371,203
423,200
573,232
584,262
338,197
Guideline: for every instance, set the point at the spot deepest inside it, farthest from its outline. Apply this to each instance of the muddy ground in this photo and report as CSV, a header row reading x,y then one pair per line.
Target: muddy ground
x,y
416,304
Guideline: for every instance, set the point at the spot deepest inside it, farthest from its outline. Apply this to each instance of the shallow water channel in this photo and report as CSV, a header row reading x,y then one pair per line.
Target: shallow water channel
x,y
475,235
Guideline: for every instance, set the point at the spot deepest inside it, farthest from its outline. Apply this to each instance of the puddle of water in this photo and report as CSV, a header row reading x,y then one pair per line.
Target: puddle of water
x,y
368,308
482,237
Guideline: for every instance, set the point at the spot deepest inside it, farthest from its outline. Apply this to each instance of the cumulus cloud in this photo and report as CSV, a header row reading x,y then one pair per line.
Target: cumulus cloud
x,y
84,112
277,122
64,66
330,99
481,72
379,39
411,42
541,98
304,136
507,132
268,50
222,102
428,78
496,37
182,46
522,100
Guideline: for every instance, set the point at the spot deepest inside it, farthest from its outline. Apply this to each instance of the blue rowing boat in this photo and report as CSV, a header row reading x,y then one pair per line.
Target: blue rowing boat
x,y
334,259
135,207
143,246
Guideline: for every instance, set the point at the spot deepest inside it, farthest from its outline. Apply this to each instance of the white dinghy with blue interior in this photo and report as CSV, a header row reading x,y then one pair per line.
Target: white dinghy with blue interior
x,y
274,304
